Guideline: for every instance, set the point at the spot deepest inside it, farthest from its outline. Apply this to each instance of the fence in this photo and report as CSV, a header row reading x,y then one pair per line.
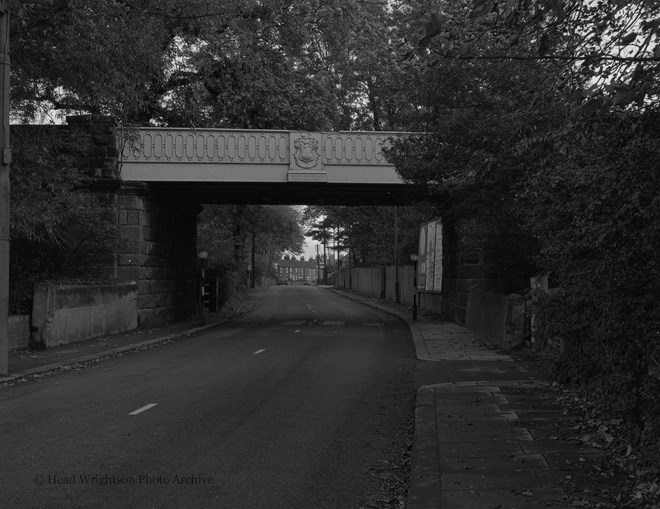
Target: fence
x,y
381,282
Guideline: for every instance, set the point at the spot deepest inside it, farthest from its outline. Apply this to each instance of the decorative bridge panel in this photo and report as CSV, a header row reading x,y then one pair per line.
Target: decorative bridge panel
x,y
236,146
230,155
206,146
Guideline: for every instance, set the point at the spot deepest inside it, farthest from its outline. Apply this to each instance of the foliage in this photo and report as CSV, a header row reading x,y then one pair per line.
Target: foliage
x,y
226,232
596,209
542,131
274,64
50,233
373,235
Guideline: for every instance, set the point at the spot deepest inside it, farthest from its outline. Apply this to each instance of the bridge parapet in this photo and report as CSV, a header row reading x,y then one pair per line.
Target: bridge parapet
x,y
170,154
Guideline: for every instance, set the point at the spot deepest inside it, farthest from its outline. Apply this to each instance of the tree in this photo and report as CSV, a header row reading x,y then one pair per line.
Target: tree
x,y
51,237
270,64
226,233
542,121
372,235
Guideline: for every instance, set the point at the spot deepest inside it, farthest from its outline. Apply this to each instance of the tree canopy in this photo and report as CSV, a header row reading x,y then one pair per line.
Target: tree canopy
x,y
542,130
270,64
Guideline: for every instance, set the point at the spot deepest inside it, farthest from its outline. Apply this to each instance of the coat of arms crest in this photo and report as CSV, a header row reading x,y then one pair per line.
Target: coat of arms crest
x,y
307,152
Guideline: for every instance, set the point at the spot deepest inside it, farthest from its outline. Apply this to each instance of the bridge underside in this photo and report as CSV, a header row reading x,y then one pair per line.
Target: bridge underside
x,y
290,193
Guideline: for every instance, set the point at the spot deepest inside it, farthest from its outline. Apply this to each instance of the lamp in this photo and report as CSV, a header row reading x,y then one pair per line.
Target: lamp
x,y
203,256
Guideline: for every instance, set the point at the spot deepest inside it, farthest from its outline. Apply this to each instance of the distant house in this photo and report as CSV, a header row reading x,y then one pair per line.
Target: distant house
x,y
300,269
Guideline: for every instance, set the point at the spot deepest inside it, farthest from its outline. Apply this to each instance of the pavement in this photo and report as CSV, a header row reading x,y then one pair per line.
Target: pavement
x,y
489,432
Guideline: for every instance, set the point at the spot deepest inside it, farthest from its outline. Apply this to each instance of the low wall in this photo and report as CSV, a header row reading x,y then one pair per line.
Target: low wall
x,y
19,332
498,319
67,314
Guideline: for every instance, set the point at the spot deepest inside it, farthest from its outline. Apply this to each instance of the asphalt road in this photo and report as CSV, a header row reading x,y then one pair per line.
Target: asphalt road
x,y
300,404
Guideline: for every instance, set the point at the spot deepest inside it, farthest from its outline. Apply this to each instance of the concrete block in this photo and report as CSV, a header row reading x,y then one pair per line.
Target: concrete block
x,y
19,331
67,314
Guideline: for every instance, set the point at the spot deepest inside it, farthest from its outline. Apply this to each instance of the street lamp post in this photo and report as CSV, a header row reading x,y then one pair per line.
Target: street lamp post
x,y
5,159
203,256
414,259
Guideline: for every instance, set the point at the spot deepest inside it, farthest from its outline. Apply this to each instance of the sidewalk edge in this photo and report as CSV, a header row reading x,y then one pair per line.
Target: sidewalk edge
x,y
424,491
420,347
107,353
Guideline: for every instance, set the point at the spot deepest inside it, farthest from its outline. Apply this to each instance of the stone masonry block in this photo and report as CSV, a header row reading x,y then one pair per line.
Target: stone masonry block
x,y
145,218
121,217
147,301
164,299
132,217
128,260
131,201
128,273
104,259
155,273
102,199
161,286
128,246
104,138
129,232
152,261
151,234
144,287
148,247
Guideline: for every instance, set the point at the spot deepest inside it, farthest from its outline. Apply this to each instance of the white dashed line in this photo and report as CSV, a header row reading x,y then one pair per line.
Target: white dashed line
x,y
143,409
259,351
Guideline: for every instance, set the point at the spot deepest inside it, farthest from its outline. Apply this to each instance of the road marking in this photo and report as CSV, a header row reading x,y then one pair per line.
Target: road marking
x,y
259,351
296,331
143,409
334,322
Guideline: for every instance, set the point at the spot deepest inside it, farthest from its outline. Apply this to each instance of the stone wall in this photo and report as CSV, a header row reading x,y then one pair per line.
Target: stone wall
x,y
463,270
158,249
156,240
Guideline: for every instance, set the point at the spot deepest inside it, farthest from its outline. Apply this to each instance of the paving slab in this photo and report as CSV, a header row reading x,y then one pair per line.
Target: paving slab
x,y
489,433
504,499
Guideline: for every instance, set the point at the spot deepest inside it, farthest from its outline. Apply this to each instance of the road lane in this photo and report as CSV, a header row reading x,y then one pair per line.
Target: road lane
x,y
305,423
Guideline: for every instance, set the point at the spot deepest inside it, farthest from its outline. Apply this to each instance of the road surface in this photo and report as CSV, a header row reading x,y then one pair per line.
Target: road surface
x,y
302,403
